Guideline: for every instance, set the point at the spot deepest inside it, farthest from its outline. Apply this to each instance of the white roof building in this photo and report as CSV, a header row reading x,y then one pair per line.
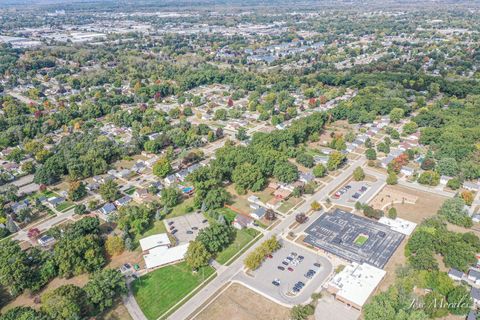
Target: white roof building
x,y
354,284
163,255
400,225
153,241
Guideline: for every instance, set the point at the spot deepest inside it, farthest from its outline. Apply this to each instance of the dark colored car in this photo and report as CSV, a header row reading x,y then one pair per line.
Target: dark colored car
x,y
363,188
189,232
289,258
316,264
356,195
290,269
275,283
194,228
300,258
173,231
285,263
170,223
204,221
280,268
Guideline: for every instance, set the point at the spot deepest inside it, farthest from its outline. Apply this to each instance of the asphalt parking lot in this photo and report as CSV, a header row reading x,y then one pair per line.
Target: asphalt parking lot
x,y
263,277
354,194
186,226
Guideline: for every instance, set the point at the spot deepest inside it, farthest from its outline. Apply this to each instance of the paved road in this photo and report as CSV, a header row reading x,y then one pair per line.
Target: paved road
x,y
414,185
226,275
132,306
45,225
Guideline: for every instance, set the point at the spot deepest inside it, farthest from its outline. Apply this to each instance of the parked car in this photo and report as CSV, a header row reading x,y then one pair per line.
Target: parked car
x,y
300,258
269,256
289,258
204,221
290,269
363,188
173,231
276,282
170,223
285,263
316,264
356,195
189,232
280,268
194,228
293,254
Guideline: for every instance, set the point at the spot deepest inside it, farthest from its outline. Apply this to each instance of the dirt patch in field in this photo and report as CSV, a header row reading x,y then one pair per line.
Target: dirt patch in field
x,y
240,303
118,312
417,206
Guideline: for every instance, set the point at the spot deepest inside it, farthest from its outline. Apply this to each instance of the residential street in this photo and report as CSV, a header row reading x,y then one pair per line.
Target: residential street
x,y
237,266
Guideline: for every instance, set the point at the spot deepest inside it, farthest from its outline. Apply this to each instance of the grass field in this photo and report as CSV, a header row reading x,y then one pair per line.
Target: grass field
x,y
360,240
243,237
181,209
161,289
64,206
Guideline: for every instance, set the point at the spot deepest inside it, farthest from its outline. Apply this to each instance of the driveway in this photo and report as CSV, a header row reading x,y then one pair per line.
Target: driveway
x,y
261,279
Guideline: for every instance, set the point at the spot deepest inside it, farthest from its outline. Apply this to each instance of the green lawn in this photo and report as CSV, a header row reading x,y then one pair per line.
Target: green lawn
x,y
130,191
157,227
243,237
228,213
159,290
182,208
64,206
360,240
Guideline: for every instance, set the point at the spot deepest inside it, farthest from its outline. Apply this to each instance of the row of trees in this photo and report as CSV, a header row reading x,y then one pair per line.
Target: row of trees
x,y
255,258
71,302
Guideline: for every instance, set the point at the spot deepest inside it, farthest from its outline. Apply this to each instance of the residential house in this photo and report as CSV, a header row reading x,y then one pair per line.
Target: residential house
x,y
444,180
182,174
306,177
455,274
258,213
240,222
92,186
386,161
19,206
107,208
55,201
123,201
140,193
320,159
474,275
170,179
472,186
408,171
46,240
475,295
282,193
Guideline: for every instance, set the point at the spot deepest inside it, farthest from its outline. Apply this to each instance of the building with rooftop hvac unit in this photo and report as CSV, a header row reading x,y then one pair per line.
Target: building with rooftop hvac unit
x,y
158,251
354,284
